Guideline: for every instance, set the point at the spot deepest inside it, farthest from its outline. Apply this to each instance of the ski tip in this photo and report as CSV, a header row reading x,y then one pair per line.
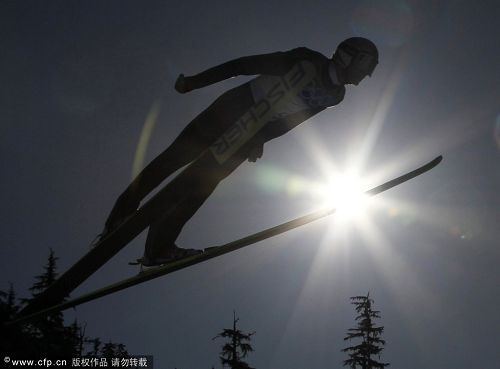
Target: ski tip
x,y
428,166
436,161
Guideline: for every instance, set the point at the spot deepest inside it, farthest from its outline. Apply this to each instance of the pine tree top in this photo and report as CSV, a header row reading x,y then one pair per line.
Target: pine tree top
x,y
366,330
237,347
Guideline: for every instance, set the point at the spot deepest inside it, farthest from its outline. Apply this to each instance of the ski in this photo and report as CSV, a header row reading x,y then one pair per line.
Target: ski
x,y
211,252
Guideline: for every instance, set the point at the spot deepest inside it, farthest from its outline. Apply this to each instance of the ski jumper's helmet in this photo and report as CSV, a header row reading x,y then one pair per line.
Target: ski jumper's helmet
x,y
358,57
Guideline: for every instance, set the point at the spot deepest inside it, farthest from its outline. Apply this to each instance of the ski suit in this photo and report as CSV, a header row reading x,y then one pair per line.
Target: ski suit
x,y
210,124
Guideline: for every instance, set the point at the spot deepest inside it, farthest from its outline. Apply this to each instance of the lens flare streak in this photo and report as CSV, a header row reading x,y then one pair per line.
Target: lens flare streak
x,y
142,145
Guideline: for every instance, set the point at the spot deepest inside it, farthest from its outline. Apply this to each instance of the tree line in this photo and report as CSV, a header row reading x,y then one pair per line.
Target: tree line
x,y
50,336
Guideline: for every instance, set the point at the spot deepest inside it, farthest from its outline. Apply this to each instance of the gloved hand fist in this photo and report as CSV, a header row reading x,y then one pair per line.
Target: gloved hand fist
x,y
181,85
256,153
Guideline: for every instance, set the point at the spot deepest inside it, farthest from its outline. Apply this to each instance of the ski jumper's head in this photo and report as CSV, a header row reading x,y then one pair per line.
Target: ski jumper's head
x,y
355,58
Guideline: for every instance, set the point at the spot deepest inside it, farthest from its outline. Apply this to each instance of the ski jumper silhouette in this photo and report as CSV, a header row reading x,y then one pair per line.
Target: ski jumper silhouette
x,y
354,59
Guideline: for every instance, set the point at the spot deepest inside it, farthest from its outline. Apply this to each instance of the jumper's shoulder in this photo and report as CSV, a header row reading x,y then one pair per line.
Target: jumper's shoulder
x,y
306,53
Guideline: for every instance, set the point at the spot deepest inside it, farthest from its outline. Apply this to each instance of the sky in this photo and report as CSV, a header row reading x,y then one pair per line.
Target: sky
x,y
79,80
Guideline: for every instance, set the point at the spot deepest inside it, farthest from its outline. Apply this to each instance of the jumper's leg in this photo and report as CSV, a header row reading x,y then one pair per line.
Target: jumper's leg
x,y
160,243
190,143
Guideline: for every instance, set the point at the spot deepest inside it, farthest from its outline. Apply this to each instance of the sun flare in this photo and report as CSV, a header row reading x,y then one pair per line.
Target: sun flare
x,y
346,194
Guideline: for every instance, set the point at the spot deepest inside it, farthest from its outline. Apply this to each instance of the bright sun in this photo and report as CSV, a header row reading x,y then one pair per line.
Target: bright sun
x,y
345,194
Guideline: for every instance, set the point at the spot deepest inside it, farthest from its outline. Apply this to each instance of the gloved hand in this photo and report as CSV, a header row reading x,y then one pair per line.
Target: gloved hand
x,y
256,153
182,84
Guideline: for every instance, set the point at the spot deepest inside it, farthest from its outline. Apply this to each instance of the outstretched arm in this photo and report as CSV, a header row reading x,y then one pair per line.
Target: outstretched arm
x,y
272,64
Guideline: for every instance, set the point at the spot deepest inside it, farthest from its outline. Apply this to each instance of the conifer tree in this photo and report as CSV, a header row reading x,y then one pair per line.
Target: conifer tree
x,y
77,335
51,336
8,304
47,336
10,336
114,350
237,347
96,346
43,281
108,350
361,355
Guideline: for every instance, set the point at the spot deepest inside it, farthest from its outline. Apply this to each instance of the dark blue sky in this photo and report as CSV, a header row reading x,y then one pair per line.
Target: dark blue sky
x,y
77,82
